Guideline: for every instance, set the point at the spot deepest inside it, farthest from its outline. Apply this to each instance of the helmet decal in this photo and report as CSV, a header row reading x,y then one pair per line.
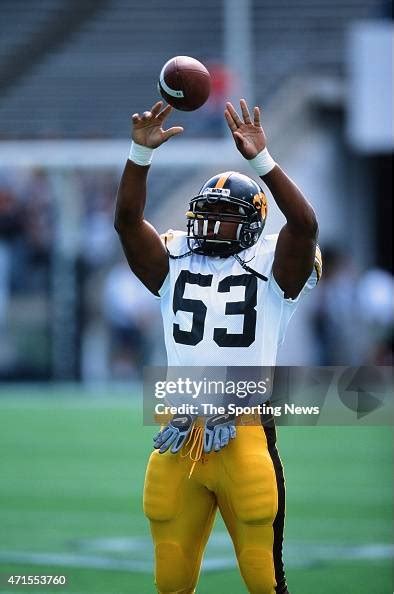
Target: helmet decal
x,y
222,179
260,202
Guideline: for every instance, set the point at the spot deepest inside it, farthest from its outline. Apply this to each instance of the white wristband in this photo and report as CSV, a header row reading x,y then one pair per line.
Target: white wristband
x,y
141,155
262,163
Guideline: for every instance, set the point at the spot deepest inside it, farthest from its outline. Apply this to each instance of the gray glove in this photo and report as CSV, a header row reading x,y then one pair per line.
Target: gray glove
x,y
218,431
174,434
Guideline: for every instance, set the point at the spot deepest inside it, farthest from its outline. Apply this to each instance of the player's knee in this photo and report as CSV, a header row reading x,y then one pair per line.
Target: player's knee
x,y
257,568
174,572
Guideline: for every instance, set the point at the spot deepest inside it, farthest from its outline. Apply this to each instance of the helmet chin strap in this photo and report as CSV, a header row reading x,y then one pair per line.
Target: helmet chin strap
x,y
249,269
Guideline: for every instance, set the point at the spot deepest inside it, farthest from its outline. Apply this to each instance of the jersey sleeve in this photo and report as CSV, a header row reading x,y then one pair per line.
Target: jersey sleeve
x,y
316,272
176,244
267,254
318,263
288,305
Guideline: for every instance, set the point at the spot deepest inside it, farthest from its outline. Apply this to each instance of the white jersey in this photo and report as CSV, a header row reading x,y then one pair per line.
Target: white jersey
x,y
215,313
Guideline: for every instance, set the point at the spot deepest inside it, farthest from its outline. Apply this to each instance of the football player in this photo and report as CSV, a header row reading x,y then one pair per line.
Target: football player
x,y
227,294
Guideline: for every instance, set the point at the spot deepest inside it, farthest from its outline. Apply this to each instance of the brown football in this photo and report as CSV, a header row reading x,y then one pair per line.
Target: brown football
x,y
184,83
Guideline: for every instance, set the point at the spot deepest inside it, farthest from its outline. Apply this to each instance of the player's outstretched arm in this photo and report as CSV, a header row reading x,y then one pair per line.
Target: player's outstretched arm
x,y
141,243
296,246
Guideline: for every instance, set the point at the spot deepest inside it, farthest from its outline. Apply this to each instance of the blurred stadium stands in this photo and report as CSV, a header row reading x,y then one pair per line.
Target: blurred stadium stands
x,y
76,69
72,70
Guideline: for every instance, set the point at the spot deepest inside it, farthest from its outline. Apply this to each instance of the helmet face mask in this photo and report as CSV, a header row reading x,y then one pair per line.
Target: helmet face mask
x,y
227,216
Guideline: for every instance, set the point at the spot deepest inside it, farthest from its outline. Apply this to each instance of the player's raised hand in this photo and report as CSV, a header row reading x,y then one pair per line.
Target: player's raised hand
x,y
248,134
147,128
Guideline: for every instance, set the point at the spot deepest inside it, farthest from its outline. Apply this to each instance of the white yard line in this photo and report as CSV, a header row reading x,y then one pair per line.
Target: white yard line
x,y
220,555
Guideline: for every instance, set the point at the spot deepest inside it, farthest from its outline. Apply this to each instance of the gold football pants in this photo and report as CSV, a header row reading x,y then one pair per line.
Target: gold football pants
x,y
245,481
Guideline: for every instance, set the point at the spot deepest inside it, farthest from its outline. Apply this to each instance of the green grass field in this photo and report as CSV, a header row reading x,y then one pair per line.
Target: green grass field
x,y
71,476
